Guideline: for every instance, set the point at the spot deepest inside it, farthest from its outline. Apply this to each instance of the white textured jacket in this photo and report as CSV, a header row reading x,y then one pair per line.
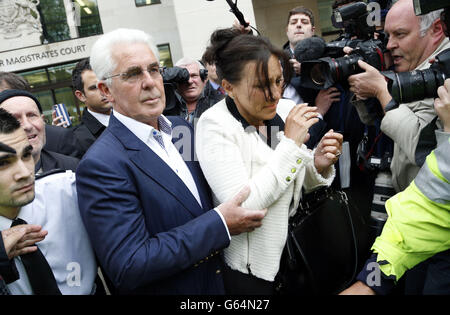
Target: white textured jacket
x,y
232,157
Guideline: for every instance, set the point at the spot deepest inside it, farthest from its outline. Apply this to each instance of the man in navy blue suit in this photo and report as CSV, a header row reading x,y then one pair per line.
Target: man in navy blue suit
x,y
145,205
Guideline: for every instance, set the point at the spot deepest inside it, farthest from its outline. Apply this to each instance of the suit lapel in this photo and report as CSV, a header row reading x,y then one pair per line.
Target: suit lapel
x,y
94,126
193,165
154,167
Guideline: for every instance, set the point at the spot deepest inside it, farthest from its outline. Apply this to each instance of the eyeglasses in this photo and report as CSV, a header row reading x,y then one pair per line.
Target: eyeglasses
x,y
136,74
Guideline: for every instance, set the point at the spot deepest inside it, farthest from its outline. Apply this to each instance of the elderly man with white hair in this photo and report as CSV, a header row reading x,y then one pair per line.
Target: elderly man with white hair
x,y
146,207
413,41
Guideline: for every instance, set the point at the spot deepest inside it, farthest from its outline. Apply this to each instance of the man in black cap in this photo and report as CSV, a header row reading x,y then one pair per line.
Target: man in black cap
x,y
58,139
26,108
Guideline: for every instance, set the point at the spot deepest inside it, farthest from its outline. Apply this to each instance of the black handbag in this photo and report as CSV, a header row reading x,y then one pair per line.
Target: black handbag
x,y
321,255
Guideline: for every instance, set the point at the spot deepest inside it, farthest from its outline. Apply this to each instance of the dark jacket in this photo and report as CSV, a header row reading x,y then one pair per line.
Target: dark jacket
x,y
60,140
52,160
87,131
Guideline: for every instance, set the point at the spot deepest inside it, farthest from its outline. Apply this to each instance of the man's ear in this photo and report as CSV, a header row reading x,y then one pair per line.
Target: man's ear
x,y
80,96
437,31
104,90
313,28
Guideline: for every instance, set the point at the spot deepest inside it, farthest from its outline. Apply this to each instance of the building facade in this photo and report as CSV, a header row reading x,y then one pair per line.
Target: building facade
x,y
42,40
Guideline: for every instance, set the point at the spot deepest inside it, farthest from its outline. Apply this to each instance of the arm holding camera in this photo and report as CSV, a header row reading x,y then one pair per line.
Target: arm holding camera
x,y
370,83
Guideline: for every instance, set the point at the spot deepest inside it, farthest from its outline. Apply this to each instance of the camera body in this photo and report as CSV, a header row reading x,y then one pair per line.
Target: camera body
x,y
425,6
325,72
175,75
353,19
334,67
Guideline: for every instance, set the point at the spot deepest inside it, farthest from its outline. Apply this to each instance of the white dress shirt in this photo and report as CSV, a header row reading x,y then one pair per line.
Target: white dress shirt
x,y
169,154
66,247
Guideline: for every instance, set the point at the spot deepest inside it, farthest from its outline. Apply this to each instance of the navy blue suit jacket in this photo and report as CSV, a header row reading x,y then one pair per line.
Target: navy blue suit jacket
x,y
149,233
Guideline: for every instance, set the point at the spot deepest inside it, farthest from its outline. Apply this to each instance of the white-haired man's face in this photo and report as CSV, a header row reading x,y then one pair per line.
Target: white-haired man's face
x,y
137,88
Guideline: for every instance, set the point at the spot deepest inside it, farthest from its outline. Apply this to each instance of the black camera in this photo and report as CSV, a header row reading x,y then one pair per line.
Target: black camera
x,y
353,19
406,87
327,71
425,6
175,75
416,85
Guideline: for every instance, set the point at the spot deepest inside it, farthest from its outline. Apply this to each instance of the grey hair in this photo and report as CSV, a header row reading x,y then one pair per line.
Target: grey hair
x,y
427,20
101,59
185,61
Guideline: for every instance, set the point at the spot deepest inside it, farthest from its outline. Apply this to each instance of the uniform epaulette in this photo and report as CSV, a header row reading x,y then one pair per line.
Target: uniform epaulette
x,y
51,172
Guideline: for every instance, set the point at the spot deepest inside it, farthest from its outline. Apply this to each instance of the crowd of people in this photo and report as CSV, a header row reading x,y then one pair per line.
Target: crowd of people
x,y
195,197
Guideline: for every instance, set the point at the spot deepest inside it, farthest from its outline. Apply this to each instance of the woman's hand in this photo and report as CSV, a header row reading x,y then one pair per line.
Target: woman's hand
x,y
298,122
328,151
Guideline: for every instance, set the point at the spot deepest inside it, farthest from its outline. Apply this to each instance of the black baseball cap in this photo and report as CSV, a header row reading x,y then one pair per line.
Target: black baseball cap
x,y
7,94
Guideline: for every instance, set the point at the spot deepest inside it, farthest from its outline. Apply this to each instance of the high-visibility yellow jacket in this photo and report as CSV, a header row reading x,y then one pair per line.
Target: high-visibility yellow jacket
x,y
418,226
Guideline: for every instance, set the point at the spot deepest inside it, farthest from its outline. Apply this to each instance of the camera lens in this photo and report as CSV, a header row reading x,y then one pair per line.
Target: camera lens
x,y
346,66
416,85
317,74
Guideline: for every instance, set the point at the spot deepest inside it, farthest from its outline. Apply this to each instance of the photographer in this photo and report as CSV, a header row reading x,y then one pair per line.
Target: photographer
x,y
190,98
420,215
412,42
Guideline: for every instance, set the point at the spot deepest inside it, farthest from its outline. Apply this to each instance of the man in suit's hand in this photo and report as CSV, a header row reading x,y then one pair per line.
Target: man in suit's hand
x,y
238,219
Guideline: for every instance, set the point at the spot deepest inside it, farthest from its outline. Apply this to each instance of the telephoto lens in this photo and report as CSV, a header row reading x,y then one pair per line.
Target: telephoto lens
x,y
406,87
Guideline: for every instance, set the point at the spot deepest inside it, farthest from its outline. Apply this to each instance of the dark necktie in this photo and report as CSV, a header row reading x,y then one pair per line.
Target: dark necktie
x,y
3,288
38,270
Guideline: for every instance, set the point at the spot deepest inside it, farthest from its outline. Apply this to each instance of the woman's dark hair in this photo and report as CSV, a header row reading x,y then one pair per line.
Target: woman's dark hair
x,y
231,51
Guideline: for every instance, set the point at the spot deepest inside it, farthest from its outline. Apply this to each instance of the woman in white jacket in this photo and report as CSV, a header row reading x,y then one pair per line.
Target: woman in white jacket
x,y
242,141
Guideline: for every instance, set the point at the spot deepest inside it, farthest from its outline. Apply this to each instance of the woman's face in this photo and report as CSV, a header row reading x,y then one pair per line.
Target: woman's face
x,y
252,99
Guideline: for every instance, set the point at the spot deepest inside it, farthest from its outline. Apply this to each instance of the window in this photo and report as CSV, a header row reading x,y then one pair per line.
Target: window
x,y
165,57
62,21
51,86
141,3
